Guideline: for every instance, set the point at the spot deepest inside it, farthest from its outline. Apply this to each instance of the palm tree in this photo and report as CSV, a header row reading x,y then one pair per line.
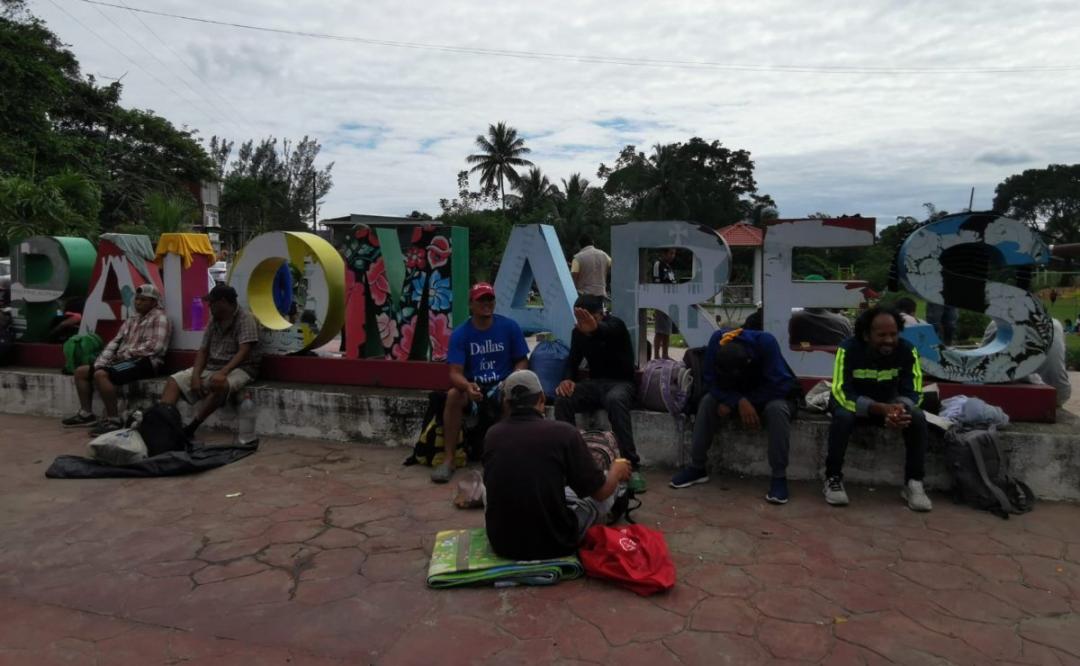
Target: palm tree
x,y
665,194
535,191
499,153
573,204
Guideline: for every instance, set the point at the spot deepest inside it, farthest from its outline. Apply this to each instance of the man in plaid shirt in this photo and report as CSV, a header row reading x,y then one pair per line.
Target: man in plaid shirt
x,y
137,352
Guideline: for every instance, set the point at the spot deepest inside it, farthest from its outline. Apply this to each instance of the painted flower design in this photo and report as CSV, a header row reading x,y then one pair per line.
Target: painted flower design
x,y
415,258
439,330
401,350
440,294
388,330
438,253
377,282
367,235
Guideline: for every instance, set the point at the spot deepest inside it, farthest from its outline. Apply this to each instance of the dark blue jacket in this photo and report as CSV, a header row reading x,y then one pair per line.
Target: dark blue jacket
x,y
769,377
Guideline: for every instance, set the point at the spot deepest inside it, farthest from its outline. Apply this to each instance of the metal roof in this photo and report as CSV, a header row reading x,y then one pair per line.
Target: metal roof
x,y
374,220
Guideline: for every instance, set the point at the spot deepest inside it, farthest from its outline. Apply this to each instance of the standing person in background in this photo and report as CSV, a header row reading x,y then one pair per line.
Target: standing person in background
x,y
663,273
590,269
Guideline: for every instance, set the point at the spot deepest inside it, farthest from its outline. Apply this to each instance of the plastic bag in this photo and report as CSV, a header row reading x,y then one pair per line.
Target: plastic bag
x,y
634,557
119,447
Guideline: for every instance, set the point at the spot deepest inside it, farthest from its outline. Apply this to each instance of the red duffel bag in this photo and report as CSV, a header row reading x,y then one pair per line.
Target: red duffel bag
x,y
633,556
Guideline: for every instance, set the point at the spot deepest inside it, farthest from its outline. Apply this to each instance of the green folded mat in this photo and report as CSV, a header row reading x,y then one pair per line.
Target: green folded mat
x,y
464,557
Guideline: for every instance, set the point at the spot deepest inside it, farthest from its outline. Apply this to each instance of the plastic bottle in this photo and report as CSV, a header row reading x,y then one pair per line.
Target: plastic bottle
x,y
198,314
245,420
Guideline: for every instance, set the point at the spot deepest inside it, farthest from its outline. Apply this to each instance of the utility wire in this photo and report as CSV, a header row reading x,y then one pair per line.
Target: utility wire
x,y
199,97
125,55
183,62
615,60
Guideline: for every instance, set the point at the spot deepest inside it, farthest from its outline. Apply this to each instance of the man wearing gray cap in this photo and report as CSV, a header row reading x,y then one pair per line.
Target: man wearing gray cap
x,y
543,486
137,352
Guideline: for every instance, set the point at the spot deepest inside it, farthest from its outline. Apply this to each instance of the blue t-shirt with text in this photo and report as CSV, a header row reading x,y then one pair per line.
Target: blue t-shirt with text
x,y
488,356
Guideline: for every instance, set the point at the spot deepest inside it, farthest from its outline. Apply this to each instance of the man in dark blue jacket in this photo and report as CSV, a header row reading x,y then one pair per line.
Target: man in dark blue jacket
x,y
877,379
746,375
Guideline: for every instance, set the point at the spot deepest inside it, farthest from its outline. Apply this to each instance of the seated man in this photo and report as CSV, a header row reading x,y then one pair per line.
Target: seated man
x,y
227,360
818,327
1053,371
483,351
877,379
543,487
603,341
745,374
137,352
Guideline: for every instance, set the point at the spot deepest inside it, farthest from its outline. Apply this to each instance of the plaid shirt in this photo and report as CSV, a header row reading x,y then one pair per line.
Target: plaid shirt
x,y
222,342
140,336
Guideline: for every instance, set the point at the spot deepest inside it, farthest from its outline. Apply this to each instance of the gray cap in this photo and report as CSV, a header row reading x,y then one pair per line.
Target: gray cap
x,y
521,383
148,290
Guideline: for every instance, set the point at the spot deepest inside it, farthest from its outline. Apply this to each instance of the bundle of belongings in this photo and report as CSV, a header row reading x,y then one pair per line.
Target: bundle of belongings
x,y
465,557
153,444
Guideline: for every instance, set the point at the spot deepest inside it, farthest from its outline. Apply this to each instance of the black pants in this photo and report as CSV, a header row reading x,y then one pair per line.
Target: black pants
x,y
615,398
843,424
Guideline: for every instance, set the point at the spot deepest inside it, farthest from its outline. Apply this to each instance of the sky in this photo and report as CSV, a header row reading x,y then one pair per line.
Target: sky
x,y
870,107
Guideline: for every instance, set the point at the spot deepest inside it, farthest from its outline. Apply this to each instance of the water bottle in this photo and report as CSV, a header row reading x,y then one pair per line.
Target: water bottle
x,y
198,314
245,420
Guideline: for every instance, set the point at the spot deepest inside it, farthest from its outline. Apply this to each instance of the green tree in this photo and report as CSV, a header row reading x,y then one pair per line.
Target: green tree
x,y
536,200
581,211
66,204
1047,199
500,152
165,213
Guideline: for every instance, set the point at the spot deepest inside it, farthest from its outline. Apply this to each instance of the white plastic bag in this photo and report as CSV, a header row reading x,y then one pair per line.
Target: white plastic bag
x,y
119,447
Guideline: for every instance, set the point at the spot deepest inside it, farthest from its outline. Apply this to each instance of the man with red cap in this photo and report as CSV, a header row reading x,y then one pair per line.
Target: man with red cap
x,y
483,352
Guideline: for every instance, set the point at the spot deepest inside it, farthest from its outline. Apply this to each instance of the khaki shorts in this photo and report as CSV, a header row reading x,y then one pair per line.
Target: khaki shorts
x,y
238,379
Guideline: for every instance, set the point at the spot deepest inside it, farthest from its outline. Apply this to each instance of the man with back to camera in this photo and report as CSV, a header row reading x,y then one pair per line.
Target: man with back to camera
x,y
227,361
589,269
877,379
746,376
604,341
663,273
136,352
483,352
543,488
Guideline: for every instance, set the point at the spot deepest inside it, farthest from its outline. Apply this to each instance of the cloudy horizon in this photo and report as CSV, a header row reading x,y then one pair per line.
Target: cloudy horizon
x,y
868,107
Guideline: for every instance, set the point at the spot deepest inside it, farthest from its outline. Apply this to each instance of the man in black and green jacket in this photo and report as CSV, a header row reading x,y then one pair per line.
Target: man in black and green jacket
x,y
877,379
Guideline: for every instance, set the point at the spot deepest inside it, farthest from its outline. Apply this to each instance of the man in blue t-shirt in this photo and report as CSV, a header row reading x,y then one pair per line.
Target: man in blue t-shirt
x,y
483,352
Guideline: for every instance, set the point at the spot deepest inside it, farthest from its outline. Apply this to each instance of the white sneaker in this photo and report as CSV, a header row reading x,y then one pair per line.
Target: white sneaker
x,y
834,491
915,495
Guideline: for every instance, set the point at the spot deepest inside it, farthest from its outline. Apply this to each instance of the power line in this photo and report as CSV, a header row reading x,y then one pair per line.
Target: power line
x,y
614,60
179,58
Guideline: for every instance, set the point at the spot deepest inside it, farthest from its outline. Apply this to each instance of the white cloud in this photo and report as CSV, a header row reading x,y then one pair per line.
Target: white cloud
x,y
399,122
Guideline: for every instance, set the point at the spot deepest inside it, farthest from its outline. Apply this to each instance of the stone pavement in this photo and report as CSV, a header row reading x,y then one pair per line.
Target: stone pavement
x,y
321,559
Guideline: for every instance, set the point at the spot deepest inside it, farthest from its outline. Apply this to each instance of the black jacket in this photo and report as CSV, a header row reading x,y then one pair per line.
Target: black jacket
x,y
862,377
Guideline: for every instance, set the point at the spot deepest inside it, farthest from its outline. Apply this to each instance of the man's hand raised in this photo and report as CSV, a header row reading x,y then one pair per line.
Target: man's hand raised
x,y
586,321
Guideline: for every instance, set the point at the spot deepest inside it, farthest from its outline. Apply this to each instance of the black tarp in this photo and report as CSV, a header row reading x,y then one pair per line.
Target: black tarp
x,y
171,463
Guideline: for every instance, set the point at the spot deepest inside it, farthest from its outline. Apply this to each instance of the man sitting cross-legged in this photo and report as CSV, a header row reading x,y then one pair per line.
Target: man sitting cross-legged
x,y
543,488
483,351
227,360
603,341
877,379
745,375
137,352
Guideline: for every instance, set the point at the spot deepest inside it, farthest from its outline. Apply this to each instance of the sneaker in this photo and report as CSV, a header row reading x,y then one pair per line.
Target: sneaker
x,y
834,491
778,493
688,476
80,418
442,473
105,425
637,482
915,496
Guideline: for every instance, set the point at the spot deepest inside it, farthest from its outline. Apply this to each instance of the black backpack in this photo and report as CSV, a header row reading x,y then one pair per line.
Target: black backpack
x,y
163,430
694,359
980,473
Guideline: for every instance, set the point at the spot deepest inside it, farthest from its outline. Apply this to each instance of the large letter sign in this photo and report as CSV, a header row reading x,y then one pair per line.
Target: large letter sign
x,y
124,262
186,261
782,293
948,262
682,302
315,310
44,269
533,253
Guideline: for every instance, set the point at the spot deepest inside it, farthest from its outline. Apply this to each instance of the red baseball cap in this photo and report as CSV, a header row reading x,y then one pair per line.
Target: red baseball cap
x,y
481,289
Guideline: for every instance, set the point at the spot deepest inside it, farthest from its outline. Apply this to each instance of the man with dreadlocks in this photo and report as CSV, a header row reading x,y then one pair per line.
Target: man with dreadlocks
x,y
745,375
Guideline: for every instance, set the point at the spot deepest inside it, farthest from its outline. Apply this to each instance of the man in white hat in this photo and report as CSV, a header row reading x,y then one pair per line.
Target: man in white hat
x,y
137,352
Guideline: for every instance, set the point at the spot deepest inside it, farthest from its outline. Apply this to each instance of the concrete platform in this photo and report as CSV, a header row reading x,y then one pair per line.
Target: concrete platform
x,y
315,552
1047,456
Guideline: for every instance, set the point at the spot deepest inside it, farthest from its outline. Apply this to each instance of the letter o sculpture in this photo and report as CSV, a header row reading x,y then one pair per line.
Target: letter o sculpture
x,y
321,289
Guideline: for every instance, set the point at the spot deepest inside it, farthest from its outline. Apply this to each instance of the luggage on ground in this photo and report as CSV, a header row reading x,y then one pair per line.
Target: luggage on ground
x,y
664,386
980,473
635,557
162,430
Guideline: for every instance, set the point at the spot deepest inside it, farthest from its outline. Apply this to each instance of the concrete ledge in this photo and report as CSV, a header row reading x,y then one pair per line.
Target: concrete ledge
x,y
1046,456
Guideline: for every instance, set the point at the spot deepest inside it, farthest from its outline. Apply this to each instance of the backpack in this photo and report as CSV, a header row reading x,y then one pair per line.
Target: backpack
x,y
694,360
430,446
604,449
980,473
664,386
548,361
80,350
162,430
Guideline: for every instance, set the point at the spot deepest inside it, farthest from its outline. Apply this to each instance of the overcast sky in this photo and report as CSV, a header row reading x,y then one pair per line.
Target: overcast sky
x,y
919,120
